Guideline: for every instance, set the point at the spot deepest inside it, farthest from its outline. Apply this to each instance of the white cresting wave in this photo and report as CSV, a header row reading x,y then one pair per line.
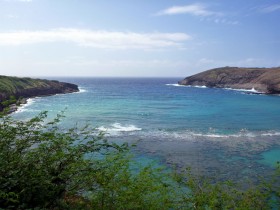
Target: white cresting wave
x,y
175,85
242,133
197,86
23,107
190,135
271,134
117,128
82,90
178,85
212,135
253,90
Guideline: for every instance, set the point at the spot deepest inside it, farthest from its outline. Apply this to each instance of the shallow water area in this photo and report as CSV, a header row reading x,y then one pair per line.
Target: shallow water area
x,y
219,133
271,157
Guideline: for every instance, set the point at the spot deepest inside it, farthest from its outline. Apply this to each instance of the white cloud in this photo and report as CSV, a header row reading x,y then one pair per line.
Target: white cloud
x,y
96,39
271,8
223,21
192,9
198,10
205,63
92,67
155,63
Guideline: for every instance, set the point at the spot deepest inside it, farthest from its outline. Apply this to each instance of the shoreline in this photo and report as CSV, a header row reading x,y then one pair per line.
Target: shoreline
x,y
254,80
247,91
22,102
20,107
15,91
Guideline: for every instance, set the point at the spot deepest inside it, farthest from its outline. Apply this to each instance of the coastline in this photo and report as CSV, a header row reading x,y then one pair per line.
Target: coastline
x,y
173,123
21,107
15,91
23,102
252,80
247,91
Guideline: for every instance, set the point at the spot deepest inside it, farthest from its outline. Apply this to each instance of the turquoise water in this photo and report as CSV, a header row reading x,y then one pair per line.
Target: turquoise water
x,y
271,157
215,131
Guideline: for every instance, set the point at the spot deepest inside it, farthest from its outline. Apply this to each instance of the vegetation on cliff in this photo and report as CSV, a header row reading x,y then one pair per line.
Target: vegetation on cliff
x,y
43,166
13,89
266,80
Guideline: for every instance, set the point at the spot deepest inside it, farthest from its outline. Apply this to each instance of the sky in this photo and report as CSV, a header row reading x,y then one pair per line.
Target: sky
x,y
139,38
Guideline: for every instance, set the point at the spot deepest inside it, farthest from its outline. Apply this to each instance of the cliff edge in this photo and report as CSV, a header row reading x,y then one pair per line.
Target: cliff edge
x,y
265,80
15,88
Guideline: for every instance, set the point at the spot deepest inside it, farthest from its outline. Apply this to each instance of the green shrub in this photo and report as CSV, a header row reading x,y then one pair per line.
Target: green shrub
x,y
227,195
11,100
43,166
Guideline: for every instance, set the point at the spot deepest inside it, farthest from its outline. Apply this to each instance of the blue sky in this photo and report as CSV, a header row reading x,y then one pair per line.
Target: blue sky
x,y
162,38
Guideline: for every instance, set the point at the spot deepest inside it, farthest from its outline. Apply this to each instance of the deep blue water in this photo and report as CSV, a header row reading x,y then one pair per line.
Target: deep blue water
x,y
187,126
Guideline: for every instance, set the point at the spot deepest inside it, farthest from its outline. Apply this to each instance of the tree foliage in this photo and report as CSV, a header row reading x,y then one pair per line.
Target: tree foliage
x,y
44,166
41,164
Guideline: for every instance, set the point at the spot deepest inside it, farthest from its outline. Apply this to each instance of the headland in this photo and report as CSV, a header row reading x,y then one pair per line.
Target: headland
x,y
262,80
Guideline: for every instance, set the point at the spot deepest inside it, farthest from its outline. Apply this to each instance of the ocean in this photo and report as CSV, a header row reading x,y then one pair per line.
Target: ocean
x,y
219,133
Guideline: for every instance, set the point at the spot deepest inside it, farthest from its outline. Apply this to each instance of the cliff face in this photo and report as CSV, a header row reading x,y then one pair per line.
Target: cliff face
x,y
27,87
266,80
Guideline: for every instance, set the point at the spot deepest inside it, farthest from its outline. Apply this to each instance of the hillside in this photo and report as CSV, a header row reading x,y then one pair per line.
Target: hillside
x,y
266,80
14,88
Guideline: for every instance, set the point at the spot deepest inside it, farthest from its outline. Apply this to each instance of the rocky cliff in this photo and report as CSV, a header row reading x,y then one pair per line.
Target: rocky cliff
x,y
266,80
26,87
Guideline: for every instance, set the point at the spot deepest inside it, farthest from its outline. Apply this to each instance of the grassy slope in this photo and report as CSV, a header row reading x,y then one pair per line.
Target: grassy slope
x,y
16,88
10,85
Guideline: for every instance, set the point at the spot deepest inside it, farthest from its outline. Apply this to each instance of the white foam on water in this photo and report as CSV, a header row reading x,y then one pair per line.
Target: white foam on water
x,y
241,133
253,90
176,85
212,135
24,107
198,86
272,133
190,135
117,128
82,90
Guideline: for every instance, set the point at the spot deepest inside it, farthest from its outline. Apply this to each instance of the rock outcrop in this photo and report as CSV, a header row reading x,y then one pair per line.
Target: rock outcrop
x,y
265,80
26,87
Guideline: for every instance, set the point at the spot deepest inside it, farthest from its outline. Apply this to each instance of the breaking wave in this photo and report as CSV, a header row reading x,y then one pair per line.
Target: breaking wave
x,y
24,107
190,135
253,90
82,90
178,85
117,128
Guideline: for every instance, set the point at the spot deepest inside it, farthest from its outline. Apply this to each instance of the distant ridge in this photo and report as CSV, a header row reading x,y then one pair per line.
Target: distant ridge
x,y
15,88
265,80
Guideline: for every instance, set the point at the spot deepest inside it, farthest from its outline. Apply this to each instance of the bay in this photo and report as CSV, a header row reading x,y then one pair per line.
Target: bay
x,y
217,132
